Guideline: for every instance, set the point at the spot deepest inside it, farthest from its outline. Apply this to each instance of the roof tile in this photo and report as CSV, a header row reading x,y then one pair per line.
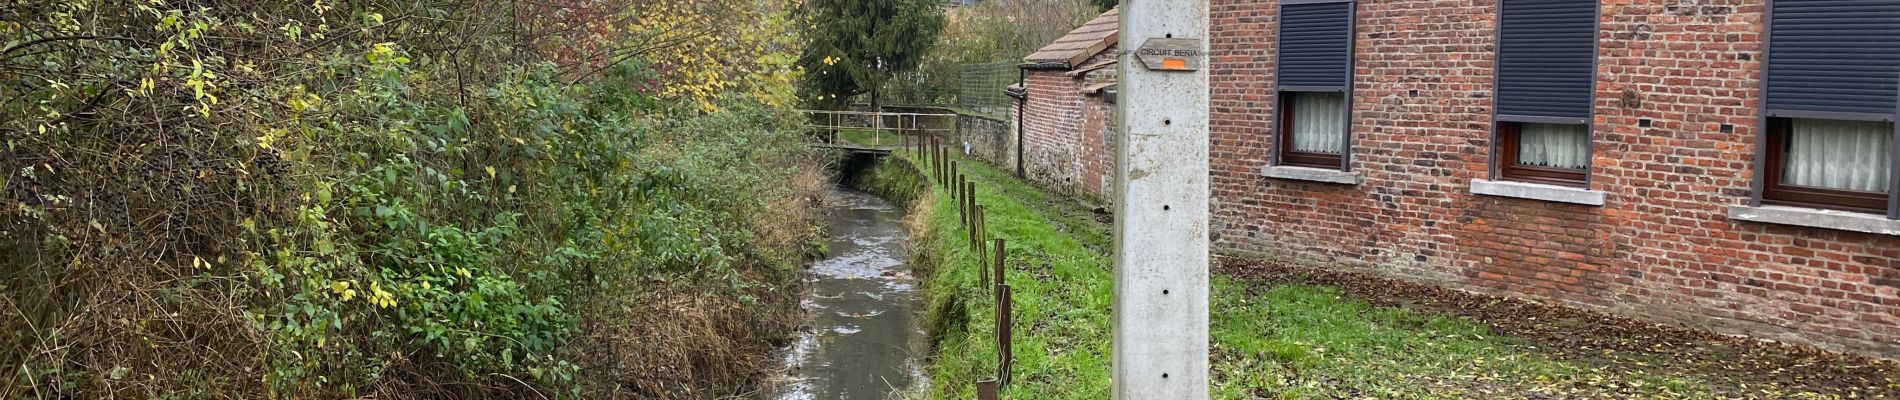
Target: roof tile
x,y
1080,44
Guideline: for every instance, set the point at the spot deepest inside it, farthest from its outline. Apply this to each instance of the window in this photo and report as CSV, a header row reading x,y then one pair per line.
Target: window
x,y
1846,165
1832,76
1312,79
1545,76
1315,126
1557,154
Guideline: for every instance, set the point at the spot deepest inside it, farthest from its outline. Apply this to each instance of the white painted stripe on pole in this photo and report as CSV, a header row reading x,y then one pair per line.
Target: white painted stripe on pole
x,y
1161,224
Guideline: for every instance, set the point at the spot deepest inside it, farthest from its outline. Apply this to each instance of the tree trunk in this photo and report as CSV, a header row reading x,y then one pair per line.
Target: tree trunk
x,y
877,106
877,98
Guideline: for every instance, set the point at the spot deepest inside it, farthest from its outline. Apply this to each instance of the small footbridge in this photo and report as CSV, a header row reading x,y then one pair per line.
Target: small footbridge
x,y
853,148
873,133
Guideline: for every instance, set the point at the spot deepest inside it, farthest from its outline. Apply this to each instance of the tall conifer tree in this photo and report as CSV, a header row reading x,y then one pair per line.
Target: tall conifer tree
x,y
857,45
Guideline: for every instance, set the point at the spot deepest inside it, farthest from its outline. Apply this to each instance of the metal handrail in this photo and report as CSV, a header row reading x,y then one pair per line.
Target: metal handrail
x,y
844,112
906,122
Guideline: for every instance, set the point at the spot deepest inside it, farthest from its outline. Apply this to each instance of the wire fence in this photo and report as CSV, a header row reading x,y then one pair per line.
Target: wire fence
x,y
980,86
989,248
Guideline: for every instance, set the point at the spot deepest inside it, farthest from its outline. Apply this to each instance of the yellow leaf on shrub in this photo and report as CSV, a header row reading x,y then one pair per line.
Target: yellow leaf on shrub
x,y
380,297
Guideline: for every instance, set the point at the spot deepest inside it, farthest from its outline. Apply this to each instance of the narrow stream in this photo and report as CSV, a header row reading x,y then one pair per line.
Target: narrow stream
x,y
863,303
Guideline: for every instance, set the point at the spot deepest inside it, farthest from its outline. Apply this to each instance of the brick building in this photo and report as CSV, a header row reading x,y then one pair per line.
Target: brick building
x,y
1703,162
1068,135
1609,156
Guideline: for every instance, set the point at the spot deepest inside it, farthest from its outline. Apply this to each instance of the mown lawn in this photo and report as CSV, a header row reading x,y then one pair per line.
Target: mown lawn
x,y
1283,337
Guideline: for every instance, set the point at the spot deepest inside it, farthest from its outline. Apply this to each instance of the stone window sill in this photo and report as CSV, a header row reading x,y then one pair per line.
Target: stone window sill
x,y
1537,191
1310,174
1816,218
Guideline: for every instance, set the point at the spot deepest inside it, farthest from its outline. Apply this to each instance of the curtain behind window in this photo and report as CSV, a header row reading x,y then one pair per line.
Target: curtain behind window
x,y
1319,122
1846,155
1554,145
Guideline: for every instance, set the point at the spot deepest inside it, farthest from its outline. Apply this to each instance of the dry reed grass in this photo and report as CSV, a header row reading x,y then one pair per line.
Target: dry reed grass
x,y
697,336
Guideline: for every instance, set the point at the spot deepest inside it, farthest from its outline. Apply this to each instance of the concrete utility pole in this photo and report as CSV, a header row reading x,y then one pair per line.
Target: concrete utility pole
x,y
1161,206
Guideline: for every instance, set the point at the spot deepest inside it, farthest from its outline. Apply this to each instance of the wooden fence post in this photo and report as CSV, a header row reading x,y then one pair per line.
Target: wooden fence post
x,y
1006,353
998,252
976,234
956,188
1000,268
1001,296
982,234
956,170
969,202
997,325
983,274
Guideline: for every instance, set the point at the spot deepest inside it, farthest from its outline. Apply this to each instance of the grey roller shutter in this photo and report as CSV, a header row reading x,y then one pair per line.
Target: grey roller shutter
x,y
1315,45
1833,56
1546,58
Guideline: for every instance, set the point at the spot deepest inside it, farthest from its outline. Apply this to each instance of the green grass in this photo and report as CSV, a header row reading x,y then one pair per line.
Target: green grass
x,y
866,137
1062,298
1310,342
1284,341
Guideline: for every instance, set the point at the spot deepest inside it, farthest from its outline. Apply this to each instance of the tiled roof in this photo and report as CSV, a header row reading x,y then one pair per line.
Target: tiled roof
x,y
1081,43
1090,67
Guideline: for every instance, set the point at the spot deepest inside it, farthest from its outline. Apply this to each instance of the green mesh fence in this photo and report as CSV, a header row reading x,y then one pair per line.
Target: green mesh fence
x,y
980,86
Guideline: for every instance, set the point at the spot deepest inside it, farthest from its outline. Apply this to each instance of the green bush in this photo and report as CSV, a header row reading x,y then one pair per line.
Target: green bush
x,y
374,226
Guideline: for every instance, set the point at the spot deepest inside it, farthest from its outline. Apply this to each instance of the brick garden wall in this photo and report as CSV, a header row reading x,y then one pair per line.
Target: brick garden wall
x,y
1098,147
1068,139
1051,141
1662,247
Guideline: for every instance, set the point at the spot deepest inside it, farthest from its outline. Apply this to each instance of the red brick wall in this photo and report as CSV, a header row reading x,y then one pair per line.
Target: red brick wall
x,y
1098,146
1066,140
1661,248
1051,134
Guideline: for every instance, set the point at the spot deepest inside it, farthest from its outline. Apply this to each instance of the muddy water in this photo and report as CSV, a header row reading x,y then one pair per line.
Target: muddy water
x,y
862,327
